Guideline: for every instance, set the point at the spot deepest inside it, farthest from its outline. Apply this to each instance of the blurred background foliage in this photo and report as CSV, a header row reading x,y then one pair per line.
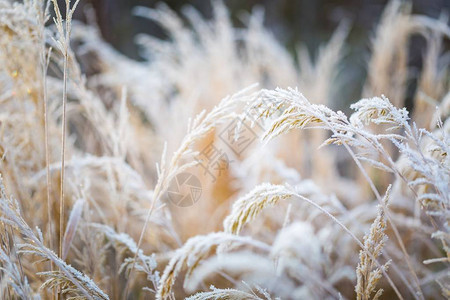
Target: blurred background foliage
x,y
308,23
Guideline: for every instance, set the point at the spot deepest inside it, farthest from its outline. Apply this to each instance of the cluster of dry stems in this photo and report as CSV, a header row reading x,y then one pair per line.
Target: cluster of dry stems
x,y
90,142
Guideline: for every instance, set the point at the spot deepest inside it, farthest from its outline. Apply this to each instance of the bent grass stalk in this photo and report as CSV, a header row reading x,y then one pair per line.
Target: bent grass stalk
x,y
201,125
310,116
